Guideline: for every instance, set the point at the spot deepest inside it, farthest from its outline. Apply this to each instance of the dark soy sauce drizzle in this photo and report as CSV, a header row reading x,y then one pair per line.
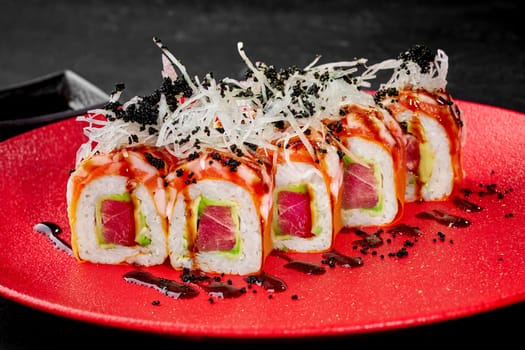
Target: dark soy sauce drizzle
x,y
212,285
52,230
466,205
444,218
178,290
370,240
301,266
334,257
222,289
268,282
168,287
405,229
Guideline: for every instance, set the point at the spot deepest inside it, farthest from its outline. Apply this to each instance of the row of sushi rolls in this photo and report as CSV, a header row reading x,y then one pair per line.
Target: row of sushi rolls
x,y
213,175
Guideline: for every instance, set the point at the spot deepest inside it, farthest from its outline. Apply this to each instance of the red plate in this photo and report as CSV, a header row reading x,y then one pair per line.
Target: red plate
x,y
474,269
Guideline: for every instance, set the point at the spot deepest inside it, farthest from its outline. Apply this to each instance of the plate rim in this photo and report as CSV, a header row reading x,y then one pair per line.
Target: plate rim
x,y
131,324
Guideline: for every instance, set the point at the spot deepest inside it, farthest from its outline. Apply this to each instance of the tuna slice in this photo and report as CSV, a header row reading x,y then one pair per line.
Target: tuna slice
x,y
294,214
359,187
118,222
216,229
412,153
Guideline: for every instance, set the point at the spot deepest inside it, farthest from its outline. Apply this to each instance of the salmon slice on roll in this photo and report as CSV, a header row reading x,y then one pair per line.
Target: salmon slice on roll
x,y
116,207
432,123
219,219
373,162
306,197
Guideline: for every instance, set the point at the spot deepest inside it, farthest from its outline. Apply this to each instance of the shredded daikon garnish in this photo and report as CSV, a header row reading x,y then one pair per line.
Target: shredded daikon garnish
x,y
265,110
416,68
269,107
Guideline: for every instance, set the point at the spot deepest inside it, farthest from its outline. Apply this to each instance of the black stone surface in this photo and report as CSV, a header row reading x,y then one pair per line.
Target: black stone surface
x,y
111,42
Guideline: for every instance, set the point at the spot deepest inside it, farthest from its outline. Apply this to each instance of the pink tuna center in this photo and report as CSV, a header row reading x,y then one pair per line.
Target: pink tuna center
x,y
294,215
118,222
215,229
360,187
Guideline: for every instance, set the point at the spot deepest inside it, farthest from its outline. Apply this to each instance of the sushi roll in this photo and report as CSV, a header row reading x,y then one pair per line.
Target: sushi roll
x,y
308,204
416,97
219,219
116,207
373,161
116,196
213,175
306,198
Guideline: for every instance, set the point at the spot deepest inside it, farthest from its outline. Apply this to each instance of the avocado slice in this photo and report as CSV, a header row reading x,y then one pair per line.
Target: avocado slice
x,y
426,155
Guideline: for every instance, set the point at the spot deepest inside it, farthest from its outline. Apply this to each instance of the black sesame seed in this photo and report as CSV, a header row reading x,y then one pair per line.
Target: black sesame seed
x,y
408,243
193,156
120,87
401,253
156,162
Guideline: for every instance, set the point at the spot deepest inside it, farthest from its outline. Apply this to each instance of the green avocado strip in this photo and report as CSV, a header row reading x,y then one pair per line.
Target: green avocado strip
x,y
143,238
426,156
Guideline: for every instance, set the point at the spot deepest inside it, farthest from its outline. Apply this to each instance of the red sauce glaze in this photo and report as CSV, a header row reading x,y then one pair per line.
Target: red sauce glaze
x,y
119,162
